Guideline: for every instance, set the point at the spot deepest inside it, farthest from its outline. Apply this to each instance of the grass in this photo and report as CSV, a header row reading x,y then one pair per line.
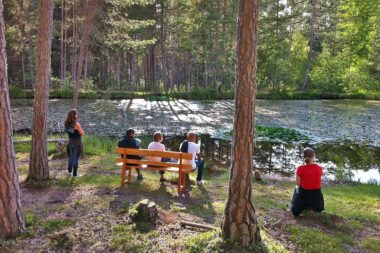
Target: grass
x,y
358,202
314,240
351,209
371,244
57,224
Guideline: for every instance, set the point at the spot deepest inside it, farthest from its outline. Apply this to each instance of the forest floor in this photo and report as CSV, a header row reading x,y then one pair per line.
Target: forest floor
x,y
91,213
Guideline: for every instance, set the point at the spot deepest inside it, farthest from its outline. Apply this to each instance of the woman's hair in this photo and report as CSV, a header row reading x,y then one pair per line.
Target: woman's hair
x,y
157,136
308,155
71,118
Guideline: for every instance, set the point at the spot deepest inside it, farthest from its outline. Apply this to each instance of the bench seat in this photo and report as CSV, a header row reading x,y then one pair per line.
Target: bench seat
x,y
180,167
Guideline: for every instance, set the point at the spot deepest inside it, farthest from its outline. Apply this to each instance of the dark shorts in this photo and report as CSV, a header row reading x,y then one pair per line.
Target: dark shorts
x,y
307,200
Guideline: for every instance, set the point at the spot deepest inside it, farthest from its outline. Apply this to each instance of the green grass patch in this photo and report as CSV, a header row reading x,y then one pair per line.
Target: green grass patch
x,y
371,244
57,224
354,201
128,238
204,242
314,240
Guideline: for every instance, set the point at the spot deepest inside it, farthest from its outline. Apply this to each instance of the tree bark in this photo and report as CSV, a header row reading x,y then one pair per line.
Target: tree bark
x,y
311,43
11,218
63,30
240,221
90,10
38,165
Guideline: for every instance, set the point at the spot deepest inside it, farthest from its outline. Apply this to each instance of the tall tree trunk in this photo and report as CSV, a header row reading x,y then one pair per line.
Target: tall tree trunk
x,y
90,10
75,41
240,221
133,70
38,165
63,28
311,42
11,219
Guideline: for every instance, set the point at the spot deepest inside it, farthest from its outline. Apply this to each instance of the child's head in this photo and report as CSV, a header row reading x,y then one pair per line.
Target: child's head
x,y
72,116
308,155
191,136
130,133
157,137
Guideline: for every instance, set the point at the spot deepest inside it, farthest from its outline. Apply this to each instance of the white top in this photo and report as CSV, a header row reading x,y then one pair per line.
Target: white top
x,y
193,149
158,147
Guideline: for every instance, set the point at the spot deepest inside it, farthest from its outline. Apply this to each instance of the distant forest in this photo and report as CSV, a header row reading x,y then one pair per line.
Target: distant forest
x,y
146,45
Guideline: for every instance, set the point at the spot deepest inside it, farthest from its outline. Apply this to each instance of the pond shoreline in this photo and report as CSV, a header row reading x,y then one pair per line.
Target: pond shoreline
x,y
321,120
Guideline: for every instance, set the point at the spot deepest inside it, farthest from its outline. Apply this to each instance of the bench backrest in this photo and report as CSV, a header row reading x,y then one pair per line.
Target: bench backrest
x,y
153,153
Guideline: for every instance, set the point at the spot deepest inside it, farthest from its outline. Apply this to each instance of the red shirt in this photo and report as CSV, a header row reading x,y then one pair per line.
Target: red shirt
x,y
310,175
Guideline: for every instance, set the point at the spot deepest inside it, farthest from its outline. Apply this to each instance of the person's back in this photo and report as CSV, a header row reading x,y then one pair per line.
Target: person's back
x,y
130,141
310,175
189,146
157,146
308,194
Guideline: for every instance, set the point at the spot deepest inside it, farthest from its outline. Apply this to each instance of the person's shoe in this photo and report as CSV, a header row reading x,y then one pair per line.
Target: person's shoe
x,y
199,182
68,173
79,175
140,177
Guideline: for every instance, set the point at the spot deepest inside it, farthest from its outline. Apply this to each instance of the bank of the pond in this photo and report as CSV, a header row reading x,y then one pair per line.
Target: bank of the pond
x,y
342,162
194,94
320,120
92,214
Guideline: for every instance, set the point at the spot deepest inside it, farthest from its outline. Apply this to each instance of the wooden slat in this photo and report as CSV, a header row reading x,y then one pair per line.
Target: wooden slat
x,y
154,153
162,164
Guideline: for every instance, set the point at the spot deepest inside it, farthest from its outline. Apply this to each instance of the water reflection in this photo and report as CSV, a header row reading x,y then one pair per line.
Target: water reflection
x,y
341,161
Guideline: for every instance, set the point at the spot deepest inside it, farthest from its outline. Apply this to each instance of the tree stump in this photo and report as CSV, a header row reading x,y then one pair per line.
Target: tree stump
x,y
145,210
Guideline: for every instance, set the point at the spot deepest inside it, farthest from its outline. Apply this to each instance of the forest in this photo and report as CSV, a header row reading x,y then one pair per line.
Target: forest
x,y
316,46
223,126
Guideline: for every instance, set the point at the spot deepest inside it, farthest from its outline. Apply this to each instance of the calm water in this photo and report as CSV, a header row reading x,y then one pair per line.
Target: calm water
x,y
341,161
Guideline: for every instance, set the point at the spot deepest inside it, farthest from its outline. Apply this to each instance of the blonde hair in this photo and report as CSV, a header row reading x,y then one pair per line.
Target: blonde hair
x,y
308,155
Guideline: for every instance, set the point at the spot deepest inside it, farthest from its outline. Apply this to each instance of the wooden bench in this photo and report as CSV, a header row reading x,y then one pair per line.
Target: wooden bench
x,y
178,167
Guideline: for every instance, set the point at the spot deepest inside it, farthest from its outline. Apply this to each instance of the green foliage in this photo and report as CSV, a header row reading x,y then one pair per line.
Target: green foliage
x,y
17,92
97,145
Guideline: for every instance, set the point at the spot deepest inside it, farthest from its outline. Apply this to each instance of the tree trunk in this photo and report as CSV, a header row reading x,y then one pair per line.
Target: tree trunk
x,y
240,222
11,218
311,43
38,165
63,28
89,8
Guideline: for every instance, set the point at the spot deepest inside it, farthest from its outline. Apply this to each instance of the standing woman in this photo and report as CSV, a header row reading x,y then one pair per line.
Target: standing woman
x,y
308,194
75,146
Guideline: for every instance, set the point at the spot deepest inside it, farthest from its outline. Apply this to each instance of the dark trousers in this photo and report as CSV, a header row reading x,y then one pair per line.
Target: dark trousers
x,y
307,199
165,160
74,154
200,166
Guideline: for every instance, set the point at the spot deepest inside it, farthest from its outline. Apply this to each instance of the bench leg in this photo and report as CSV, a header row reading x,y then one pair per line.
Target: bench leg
x,y
123,177
183,183
179,182
130,175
